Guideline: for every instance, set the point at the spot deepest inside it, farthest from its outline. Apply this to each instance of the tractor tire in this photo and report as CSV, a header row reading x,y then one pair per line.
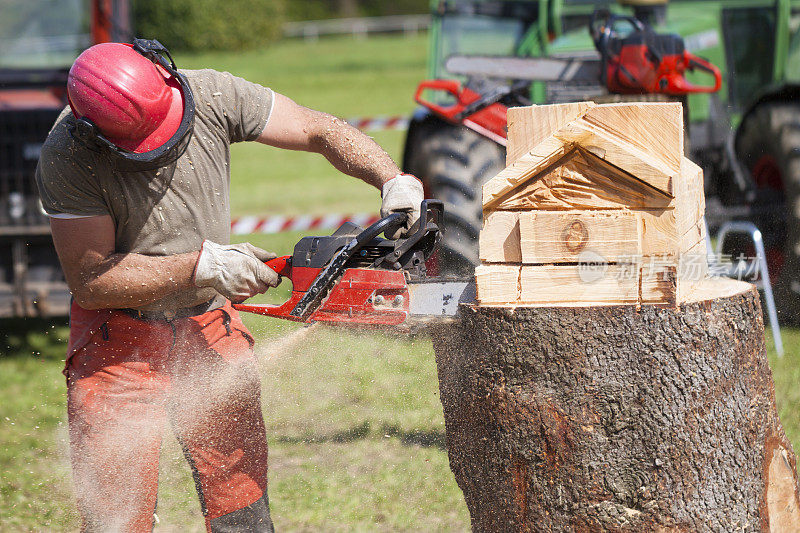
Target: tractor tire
x,y
769,146
454,163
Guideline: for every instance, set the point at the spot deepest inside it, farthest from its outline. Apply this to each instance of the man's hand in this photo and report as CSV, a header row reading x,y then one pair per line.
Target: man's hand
x,y
402,194
236,271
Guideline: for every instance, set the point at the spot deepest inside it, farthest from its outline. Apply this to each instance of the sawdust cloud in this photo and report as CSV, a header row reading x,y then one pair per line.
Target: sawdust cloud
x,y
218,389
269,351
205,392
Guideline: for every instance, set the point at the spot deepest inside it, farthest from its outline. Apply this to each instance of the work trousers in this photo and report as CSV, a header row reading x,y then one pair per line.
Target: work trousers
x,y
127,378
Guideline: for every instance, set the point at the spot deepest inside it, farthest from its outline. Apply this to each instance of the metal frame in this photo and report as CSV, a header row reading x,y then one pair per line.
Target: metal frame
x,y
749,229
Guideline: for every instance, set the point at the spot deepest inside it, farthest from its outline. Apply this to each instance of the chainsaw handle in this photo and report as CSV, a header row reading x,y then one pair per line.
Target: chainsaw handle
x,y
601,27
451,86
281,265
695,62
331,274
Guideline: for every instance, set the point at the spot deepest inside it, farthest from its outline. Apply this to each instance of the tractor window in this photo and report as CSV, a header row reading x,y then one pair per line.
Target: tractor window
x,y
42,33
750,49
793,58
478,35
575,14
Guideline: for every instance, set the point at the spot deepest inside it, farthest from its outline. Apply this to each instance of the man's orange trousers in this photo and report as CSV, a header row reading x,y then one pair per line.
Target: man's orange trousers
x,y
127,379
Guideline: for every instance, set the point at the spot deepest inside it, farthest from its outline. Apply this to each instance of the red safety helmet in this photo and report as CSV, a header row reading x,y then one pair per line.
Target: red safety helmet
x,y
131,101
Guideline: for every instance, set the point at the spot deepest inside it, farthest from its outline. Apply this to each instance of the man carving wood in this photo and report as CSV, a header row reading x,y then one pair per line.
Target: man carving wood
x,y
135,178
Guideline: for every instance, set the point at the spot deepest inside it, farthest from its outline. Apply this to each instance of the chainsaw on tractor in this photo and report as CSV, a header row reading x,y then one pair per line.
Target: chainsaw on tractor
x,y
355,277
633,60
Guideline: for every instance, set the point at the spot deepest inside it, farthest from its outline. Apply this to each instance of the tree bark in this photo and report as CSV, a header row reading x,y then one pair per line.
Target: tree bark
x,y
616,418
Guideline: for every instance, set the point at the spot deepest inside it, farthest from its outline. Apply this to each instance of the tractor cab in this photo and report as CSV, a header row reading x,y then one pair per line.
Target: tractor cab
x,y
472,27
39,40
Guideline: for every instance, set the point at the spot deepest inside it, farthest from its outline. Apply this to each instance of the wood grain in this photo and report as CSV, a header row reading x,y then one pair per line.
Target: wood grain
x,y
536,162
564,236
619,153
579,285
529,126
654,127
500,238
690,204
581,182
658,280
603,183
657,228
497,284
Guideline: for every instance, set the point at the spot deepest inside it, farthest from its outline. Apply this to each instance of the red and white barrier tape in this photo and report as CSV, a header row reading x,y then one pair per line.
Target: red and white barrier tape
x,y
279,223
379,123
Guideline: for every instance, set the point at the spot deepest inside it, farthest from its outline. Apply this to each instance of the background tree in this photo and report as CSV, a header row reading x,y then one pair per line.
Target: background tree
x,y
208,24
346,8
320,9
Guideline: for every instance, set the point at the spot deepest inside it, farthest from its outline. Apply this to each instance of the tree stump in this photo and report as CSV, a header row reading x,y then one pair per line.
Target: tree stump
x,y
618,418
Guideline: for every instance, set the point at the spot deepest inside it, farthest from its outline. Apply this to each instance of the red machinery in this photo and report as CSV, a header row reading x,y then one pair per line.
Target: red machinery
x,y
31,98
353,277
482,113
639,62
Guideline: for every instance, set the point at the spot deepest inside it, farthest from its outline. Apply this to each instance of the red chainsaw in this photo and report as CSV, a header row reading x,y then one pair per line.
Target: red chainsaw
x,y
642,61
355,277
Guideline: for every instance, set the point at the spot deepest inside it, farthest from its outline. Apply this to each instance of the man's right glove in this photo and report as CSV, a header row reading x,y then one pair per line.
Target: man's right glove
x,y
402,194
236,271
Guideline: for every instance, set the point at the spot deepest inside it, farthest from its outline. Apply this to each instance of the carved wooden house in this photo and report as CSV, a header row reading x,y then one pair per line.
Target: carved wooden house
x,y
596,206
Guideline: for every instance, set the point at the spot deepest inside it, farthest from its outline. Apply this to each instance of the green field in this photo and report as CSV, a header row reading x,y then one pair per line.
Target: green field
x,y
354,421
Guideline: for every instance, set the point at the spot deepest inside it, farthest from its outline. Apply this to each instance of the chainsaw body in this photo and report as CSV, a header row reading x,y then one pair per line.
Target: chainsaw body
x,y
353,276
646,62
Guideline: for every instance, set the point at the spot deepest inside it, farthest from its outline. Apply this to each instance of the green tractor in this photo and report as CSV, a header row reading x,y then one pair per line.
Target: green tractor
x,y
746,136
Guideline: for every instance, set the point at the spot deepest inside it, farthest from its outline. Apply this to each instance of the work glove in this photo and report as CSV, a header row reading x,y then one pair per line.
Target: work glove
x,y
402,194
236,271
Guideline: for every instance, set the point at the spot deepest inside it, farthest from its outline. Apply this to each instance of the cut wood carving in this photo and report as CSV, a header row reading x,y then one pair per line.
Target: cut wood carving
x,y
597,206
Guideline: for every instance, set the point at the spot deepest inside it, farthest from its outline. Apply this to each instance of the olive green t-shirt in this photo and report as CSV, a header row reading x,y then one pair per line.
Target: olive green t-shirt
x,y
173,209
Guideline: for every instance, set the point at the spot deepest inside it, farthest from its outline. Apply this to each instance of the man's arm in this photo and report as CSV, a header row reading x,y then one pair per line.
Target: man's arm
x,y
298,128
352,152
99,278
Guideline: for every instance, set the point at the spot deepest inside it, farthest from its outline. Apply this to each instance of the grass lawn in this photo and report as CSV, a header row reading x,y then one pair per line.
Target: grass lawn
x,y
354,421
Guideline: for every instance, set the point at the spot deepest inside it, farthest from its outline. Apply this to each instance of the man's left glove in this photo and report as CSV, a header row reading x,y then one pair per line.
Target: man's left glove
x,y
402,194
236,271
